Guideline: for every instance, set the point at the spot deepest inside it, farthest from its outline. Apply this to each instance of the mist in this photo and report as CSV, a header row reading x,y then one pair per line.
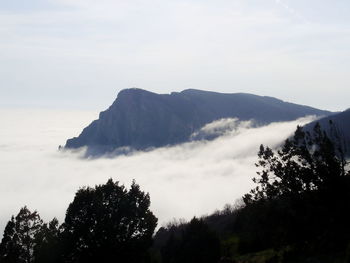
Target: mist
x,y
191,179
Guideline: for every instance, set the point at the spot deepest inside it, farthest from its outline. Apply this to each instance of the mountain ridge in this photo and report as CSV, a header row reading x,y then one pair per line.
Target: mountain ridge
x,y
339,121
141,119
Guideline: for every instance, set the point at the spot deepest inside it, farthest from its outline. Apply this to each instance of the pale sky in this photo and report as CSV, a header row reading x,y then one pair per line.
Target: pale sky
x,y
78,54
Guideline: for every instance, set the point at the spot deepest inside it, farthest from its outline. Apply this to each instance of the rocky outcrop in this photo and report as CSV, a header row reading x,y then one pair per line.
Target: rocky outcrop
x,y
140,119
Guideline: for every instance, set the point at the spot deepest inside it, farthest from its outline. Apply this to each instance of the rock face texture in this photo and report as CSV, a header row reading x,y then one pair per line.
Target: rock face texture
x,y
140,119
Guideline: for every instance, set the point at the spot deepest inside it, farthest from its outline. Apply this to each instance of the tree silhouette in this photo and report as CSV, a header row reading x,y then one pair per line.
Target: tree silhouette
x,y
9,248
108,223
19,238
301,197
48,243
307,162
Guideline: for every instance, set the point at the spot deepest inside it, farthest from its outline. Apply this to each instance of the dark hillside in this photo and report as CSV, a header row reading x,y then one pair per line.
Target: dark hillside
x,y
336,125
296,213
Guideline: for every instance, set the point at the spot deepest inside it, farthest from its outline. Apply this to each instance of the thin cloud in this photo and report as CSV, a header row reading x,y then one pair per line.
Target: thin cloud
x,y
55,55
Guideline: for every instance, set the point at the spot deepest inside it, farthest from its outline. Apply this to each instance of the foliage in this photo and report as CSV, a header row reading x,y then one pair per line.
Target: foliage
x,y
103,224
20,237
109,222
307,162
300,198
48,246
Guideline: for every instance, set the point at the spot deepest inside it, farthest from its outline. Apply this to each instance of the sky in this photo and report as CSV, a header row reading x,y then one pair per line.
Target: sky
x,y
186,180
78,54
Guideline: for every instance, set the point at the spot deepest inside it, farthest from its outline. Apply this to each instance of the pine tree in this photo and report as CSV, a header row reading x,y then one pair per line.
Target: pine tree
x,y
307,162
19,238
9,248
48,243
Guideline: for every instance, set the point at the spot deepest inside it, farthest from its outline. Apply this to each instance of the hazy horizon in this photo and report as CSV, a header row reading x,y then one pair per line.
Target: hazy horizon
x,y
85,107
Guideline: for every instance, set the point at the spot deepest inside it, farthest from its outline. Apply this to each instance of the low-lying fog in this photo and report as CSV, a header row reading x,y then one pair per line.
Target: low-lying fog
x,y
183,181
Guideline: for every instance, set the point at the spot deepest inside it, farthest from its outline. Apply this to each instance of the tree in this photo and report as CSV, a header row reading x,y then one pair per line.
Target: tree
x,y
9,249
301,197
307,162
19,238
48,246
108,223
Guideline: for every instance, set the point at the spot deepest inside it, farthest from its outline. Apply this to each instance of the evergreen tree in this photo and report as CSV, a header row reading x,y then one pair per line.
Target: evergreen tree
x,y
108,223
48,245
9,248
307,162
301,197
19,238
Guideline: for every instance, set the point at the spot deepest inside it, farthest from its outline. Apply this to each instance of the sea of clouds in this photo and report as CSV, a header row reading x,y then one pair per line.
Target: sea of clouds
x,y
191,179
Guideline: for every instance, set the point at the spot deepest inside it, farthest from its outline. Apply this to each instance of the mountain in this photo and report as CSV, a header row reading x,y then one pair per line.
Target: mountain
x,y
140,119
341,122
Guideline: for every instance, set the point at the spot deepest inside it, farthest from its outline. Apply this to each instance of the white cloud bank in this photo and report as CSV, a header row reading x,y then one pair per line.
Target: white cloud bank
x,y
185,180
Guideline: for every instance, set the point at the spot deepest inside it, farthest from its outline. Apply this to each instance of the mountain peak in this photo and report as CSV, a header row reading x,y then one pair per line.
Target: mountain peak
x,y
134,92
141,119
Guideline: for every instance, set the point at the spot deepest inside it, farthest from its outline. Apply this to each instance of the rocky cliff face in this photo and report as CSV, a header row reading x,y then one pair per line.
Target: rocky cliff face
x,y
140,119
